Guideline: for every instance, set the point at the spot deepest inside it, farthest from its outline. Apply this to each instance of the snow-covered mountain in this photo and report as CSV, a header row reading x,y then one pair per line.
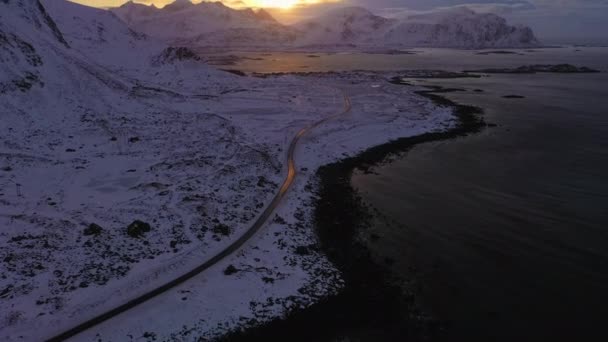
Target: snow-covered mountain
x,y
460,28
185,20
349,25
457,28
213,24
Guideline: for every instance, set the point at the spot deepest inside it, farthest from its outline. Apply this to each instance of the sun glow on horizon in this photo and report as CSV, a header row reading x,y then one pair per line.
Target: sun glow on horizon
x,y
286,5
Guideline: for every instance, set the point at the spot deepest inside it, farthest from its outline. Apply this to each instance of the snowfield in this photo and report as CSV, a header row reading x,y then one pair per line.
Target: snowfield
x,y
121,170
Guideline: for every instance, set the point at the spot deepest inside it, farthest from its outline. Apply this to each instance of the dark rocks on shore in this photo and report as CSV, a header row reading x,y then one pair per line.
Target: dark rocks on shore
x,y
514,97
533,69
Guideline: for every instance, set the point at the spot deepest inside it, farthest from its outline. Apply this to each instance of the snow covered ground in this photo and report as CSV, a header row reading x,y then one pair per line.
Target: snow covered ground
x,y
99,132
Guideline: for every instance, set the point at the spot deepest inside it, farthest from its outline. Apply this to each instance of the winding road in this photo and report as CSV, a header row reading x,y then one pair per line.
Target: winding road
x,y
235,246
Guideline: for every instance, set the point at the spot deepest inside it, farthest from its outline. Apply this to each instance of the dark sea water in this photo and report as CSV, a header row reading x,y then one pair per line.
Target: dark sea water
x,y
503,235
506,232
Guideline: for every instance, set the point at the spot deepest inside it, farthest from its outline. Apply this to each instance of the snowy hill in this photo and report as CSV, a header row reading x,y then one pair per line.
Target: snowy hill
x,y
101,36
213,24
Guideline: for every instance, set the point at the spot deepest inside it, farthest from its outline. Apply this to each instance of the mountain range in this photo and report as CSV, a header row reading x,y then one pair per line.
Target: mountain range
x,y
212,24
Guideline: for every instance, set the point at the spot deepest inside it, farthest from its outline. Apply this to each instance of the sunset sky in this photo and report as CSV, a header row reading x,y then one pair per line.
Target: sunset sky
x,y
571,19
233,3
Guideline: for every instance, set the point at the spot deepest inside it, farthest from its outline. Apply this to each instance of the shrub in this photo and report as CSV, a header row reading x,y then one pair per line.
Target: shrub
x,y
138,229
92,229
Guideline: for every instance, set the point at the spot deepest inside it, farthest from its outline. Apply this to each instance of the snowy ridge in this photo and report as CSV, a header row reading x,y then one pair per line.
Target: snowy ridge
x,y
215,25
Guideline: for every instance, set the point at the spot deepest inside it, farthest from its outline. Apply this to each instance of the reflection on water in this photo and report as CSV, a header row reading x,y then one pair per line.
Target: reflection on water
x,y
504,233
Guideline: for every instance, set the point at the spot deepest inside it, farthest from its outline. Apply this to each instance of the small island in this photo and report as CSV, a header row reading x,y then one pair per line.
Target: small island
x,y
498,52
538,68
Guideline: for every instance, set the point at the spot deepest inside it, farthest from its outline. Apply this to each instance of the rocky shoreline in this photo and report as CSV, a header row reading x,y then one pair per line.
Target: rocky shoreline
x,y
373,305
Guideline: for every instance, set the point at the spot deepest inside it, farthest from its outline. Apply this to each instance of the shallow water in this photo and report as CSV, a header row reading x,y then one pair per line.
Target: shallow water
x,y
503,234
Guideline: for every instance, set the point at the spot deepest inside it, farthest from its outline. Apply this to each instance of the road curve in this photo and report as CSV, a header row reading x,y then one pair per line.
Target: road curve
x,y
236,245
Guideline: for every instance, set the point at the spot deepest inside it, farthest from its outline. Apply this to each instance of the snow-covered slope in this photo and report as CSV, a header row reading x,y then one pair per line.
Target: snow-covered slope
x,y
213,24
21,62
101,36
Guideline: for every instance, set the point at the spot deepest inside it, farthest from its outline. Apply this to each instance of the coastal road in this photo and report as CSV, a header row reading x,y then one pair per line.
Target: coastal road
x,y
235,246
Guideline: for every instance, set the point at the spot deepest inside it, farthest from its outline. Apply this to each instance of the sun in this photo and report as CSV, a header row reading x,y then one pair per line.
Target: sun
x,y
284,4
